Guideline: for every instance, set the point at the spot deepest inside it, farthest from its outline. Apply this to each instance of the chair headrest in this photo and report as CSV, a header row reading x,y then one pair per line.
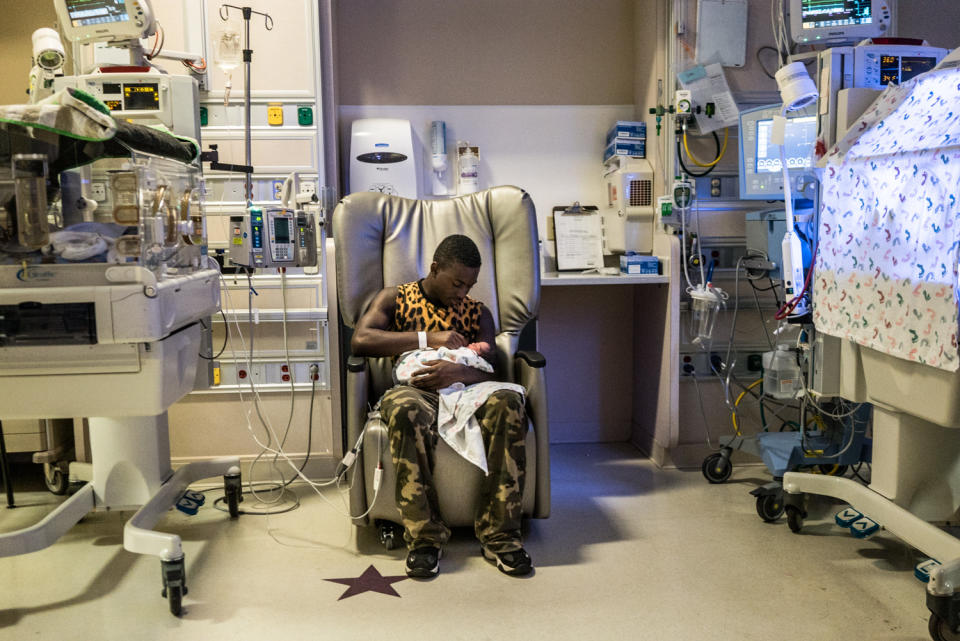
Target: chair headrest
x,y
384,240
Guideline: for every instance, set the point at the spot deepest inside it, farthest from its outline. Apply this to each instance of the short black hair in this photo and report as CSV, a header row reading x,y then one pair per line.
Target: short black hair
x,y
457,249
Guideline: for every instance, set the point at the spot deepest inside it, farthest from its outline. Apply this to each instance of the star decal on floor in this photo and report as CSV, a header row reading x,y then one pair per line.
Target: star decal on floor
x,y
370,581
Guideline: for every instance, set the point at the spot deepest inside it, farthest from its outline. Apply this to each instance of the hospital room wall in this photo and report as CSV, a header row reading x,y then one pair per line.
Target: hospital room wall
x,y
535,85
15,46
224,419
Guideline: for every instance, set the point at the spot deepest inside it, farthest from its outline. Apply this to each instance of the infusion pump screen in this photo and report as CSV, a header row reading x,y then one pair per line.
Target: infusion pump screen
x,y
835,13
88,12
281,230
801,134
141,97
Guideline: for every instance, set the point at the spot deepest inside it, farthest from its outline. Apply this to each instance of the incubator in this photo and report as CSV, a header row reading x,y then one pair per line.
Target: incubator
x,y
104,283
101,300
885,286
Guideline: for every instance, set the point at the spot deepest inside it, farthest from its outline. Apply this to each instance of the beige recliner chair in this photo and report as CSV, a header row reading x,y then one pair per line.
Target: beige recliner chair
x,y
387,240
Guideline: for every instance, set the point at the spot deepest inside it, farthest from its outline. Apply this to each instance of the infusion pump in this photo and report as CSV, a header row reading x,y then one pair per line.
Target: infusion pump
x,y
273,238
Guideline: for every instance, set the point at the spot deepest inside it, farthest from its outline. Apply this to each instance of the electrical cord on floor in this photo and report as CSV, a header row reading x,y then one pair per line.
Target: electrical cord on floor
x,y
346,462
218,503
259,486
290,376
273,485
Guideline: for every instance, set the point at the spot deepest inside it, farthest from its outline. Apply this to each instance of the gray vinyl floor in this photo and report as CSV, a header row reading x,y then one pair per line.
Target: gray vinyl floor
x,y
630,552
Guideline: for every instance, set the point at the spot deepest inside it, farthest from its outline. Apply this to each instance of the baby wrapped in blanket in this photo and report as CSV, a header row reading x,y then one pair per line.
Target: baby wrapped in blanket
x,y
457,403
413,361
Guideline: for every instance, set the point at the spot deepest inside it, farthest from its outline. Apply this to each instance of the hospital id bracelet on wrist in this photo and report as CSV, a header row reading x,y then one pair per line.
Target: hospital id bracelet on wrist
x,y
422,339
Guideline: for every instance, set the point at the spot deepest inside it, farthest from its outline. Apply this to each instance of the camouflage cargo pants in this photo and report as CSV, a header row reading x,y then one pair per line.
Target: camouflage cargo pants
x,y
411,416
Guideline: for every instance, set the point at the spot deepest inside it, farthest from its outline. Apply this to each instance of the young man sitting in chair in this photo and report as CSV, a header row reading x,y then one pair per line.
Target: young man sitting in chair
x,y
435,312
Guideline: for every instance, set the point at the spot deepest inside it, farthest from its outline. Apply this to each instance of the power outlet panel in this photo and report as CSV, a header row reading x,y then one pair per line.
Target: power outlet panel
x,y
98,191
747,367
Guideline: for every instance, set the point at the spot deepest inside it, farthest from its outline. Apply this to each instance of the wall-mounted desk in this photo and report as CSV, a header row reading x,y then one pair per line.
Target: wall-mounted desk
x,y
552,279
611,344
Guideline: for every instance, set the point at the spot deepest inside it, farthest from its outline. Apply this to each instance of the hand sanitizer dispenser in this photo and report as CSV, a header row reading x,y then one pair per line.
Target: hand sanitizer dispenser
x,y
381,157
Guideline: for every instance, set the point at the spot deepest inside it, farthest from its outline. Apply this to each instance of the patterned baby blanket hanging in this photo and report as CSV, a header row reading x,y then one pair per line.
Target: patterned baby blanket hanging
x,y
886,271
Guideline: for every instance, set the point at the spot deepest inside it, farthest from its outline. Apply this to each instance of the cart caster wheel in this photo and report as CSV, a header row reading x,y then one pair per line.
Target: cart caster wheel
x,y
233,493
57,477
940,631
770,507
794,518
390,534
175,598
717,468
174,584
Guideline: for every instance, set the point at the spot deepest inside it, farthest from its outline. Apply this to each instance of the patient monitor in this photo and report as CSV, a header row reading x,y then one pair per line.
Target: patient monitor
x,y
105,20
839,21
141,92
761,175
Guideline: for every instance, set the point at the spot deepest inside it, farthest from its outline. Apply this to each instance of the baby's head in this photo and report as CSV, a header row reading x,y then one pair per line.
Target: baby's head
x,y
480,349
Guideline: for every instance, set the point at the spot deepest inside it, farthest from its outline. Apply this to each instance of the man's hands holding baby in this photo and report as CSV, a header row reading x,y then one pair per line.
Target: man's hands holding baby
x,y
439,374
451,339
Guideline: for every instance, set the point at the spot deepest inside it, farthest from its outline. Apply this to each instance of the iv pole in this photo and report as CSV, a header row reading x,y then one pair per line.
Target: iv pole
x,y
247,59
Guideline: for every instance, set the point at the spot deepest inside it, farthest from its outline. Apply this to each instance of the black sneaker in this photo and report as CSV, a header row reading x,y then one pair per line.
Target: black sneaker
x,y
423,562
514,563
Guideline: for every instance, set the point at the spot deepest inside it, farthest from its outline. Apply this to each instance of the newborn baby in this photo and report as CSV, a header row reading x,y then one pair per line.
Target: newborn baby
x,y
413,361
457,403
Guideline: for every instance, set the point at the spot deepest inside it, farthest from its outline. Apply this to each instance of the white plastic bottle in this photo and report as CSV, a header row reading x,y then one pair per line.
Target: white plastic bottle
x,y
782,377
468,169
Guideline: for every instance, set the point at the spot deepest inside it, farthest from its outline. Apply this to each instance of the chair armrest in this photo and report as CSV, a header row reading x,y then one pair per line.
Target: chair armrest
x,y
355,411
529,368
356,363
532,358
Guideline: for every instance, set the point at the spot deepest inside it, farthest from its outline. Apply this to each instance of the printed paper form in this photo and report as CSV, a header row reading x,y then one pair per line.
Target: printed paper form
x,y
579,241
709,84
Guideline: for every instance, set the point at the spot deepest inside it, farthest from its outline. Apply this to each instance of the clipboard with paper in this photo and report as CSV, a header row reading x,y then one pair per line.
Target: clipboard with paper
x,y
579,237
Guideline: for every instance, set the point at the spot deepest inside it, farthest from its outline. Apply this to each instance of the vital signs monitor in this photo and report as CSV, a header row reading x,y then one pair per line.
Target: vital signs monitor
x,y
105,20
761,176
839,21
876,66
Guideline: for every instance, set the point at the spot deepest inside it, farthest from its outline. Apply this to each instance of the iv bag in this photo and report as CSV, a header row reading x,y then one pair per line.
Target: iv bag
x,y
227,50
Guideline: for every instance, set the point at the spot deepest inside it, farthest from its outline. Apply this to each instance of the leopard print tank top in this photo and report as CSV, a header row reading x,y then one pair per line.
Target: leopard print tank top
x,y
414,313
